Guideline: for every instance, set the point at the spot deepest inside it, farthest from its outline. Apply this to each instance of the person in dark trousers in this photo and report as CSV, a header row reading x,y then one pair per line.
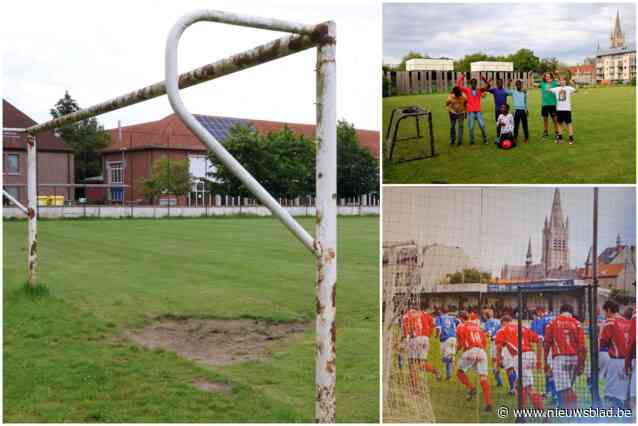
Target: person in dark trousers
x,y
519,102
456,105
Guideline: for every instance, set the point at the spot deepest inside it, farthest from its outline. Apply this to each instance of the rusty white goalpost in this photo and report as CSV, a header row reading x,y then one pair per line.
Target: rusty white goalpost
x,y
324,245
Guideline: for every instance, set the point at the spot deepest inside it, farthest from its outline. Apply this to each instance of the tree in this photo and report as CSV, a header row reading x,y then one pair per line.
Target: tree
x,y
410,55
469,275
548,65
524,60
167,177
284,163
463,65
620,296
357,169
86,138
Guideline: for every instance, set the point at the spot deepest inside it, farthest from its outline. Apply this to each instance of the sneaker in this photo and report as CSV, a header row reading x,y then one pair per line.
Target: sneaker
x,y
511,392
558,139
471,394
571,141
488,408
545,135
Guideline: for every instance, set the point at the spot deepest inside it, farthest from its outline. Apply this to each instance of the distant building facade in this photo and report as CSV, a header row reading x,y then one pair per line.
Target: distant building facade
x,y
616,268
618,63
583,74
55,159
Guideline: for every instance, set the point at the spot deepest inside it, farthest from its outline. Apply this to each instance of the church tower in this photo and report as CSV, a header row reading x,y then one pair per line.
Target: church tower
x,y
617,37
556,239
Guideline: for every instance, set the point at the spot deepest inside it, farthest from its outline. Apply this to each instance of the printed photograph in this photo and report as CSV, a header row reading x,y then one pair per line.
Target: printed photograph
x,y
516,93
509,304
190,233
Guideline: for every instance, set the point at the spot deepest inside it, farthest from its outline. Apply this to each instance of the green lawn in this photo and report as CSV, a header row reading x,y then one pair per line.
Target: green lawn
x,y
605,149
449,399
65,357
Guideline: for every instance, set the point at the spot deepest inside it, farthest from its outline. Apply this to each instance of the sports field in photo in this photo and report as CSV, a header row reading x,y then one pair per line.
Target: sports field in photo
x,y
604,152
449,400
68,355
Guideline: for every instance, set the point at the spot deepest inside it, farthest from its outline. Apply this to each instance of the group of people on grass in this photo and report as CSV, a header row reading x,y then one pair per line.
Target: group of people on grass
x,y
465,102
552,348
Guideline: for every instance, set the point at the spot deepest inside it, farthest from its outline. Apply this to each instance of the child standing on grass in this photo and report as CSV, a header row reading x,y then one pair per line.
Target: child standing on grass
x,y
474,95
456,104
519,101
500,97
563,95
505,126
548,103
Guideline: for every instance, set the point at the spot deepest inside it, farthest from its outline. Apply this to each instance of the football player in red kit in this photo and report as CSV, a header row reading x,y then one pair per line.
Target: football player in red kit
x,y
417,328
473,342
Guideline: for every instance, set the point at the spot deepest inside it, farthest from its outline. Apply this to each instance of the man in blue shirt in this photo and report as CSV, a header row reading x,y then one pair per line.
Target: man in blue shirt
x,y
492,325
446,329
500,96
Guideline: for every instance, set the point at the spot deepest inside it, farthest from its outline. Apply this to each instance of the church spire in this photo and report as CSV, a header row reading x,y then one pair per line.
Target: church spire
x,y
617,36
556,218
618,240
528,258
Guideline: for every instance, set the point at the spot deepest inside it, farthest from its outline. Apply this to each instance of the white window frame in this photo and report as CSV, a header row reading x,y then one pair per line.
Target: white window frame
x,y
113,166
9,172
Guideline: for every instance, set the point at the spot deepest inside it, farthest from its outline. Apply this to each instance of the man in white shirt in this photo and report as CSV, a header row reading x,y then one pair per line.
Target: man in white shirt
x,y
563,95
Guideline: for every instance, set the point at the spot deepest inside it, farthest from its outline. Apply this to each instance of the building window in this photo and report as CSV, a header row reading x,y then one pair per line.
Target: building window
x,y
14,191
13,164
116,172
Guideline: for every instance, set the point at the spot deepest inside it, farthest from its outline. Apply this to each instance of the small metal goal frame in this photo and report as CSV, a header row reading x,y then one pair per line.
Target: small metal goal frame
x,y
324,245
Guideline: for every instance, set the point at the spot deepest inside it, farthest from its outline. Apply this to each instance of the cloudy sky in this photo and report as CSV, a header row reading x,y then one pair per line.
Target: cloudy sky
x,y
566,31
493,225
99,50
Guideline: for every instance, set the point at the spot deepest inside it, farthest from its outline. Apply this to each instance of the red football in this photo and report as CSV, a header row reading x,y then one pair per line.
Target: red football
x,y
506,144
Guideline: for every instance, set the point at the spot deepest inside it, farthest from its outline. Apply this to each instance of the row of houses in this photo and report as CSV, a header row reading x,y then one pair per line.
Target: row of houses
x,y
129,156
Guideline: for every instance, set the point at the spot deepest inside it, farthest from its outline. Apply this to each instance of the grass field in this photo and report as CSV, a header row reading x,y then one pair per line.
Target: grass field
x,y
450,405
65,357
605,149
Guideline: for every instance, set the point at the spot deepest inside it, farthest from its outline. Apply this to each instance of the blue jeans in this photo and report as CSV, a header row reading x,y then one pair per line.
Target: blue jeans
x,y
456,120
471,116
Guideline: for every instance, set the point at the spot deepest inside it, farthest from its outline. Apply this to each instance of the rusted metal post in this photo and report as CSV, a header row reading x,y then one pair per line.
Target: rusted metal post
x,y
326,232
32,207
15,202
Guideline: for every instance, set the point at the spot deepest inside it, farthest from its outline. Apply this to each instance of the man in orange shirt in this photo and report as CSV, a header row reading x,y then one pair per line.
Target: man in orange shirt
x,y
615,337
417,328
473,342
507,347
565,337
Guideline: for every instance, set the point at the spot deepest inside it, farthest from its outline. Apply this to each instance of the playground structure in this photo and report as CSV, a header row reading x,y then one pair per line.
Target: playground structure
x,y
323,245
403,113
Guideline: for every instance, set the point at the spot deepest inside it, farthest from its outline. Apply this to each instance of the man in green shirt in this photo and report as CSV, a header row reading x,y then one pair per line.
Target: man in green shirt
x,y
548,103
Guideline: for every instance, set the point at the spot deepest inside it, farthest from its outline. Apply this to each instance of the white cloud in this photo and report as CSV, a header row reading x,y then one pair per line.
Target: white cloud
x,y
106,49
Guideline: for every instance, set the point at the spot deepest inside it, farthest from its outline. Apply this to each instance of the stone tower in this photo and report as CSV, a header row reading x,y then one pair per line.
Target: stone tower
x,y
528,258
617,37
556,239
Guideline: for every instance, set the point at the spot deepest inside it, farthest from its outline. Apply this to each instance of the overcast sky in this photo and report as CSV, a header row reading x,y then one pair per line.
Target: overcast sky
x,y
566,31
99,50
493,225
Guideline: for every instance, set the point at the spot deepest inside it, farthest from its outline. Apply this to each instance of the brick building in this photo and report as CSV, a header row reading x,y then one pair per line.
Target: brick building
x,y
616,268
134,148
55,158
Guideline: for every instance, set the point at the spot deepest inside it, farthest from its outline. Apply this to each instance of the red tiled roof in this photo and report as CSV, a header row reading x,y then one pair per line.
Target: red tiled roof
x,y
582,69
12,117
170,132
604,270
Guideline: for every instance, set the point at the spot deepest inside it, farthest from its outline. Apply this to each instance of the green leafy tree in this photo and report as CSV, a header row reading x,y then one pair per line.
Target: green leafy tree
x,y
167,177
357,169
548,65
463,65
469,275
620,296
86,137
524,60
284,163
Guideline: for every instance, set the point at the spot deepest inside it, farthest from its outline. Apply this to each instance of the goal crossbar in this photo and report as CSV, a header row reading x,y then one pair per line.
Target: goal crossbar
x,y
324,245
